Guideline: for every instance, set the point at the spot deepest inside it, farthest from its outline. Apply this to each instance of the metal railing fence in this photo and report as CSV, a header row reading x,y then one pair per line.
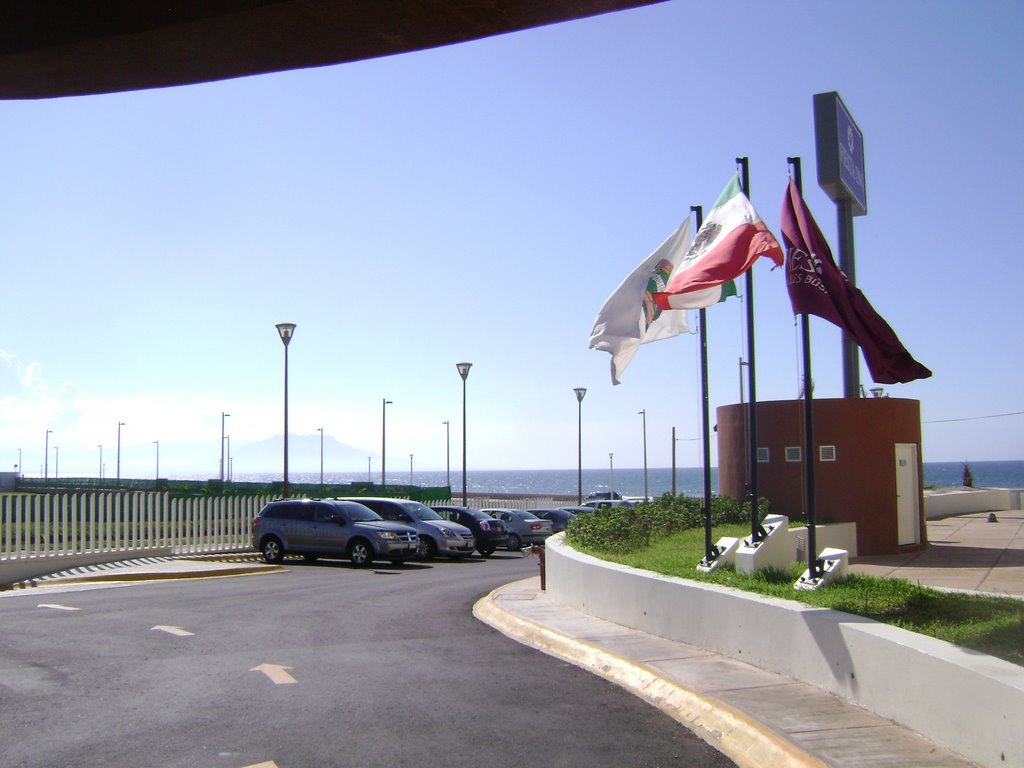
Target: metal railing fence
x,y
36,525
42,525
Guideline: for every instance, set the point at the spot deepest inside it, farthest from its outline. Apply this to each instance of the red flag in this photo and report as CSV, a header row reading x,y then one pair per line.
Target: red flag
x,y
818,287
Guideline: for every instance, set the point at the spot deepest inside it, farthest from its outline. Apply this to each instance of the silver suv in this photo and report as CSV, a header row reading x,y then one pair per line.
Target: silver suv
x,y
330,528
437,535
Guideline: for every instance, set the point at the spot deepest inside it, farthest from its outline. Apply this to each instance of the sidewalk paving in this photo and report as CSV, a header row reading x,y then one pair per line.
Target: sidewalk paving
x,y
965,552
755,717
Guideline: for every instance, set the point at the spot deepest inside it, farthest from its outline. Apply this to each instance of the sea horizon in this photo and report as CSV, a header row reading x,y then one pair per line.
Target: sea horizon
x,y
627,481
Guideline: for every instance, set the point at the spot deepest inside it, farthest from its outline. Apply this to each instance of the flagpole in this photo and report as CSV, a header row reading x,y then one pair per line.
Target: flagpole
x,y
756,531
809,458
710,552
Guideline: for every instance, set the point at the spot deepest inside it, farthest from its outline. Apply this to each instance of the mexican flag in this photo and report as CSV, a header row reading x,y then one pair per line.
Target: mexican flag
x,y
729,241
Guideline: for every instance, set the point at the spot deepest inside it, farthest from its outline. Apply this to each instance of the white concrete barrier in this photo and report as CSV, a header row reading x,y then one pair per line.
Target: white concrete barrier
x,y
966,701
943,502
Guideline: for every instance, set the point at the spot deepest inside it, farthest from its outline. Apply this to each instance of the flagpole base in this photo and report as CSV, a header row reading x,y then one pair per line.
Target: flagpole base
x,y
724,553
830,565
773,550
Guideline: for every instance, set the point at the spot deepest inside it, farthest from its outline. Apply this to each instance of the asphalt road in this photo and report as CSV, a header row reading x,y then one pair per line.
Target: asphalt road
x,y
325,665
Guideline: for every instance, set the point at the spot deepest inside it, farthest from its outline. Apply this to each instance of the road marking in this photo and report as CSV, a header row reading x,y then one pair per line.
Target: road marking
x,y
276,673
267,764
56,606
173,630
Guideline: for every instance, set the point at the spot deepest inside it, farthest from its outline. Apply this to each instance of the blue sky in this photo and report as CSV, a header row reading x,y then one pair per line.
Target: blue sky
x,y
480,202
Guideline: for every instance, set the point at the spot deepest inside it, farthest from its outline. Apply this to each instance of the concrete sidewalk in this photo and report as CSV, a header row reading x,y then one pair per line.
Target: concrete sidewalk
x,y
978,551
759,718
754,717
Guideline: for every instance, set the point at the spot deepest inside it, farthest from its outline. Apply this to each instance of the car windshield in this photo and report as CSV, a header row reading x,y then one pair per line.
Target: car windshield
x,y
421,512
360,514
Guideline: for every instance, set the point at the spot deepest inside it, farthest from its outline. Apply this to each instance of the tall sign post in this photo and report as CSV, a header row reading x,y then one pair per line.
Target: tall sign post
x,y
839,146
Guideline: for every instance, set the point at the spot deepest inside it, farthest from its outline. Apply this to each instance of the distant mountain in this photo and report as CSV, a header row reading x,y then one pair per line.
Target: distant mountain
x,y
303,455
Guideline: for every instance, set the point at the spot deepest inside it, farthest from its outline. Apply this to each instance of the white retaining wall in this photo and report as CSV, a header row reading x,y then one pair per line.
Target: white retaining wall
x,y
963,700
959,501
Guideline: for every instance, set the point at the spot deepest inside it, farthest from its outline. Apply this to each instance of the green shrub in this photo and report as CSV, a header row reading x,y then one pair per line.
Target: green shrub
x,y
618,530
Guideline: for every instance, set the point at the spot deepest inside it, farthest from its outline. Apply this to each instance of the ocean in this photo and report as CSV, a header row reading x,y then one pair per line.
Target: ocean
x,y
630,482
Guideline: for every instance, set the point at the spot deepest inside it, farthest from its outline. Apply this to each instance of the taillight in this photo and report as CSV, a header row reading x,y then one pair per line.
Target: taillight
x,y
534,526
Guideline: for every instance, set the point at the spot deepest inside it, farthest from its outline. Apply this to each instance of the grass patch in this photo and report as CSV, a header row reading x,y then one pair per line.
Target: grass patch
x,y
991,625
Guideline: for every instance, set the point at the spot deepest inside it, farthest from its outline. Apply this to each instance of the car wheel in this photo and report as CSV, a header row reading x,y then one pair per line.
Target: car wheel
x,y
272,550
360,553
427,548
485,551
514,542
311,558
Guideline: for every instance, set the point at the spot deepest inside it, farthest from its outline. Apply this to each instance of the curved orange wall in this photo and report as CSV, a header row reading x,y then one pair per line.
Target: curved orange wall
x,y
859,486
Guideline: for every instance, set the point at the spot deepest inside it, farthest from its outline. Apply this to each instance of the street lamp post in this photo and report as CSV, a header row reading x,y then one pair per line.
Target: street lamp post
x,y
285,331
463,369
673,461
369,469
321,431
580,393
383,438
644,414
222,417
46,455
119,425
100,446
410,469
157,444
448,454
56,462
611,475
21,469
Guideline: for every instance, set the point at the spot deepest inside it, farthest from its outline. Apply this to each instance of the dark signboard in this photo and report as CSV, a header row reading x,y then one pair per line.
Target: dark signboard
x,y
840,152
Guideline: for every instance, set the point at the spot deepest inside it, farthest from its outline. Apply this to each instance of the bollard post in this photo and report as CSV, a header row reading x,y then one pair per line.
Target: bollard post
x,y
538,550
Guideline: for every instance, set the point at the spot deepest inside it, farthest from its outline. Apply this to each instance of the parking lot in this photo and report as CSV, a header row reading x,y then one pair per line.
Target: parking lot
x,y
315,664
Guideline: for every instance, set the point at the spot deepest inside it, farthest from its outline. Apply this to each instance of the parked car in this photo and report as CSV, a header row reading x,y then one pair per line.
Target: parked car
x,y
602,495
578,510
437,535
560,518
330,528
523,527
604,503
489,532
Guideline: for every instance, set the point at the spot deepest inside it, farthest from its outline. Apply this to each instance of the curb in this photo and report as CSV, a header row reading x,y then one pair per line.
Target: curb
x,y
749,743
112,577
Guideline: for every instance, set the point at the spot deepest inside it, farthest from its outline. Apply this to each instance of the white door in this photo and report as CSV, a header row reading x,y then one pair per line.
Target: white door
x,y
908,495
